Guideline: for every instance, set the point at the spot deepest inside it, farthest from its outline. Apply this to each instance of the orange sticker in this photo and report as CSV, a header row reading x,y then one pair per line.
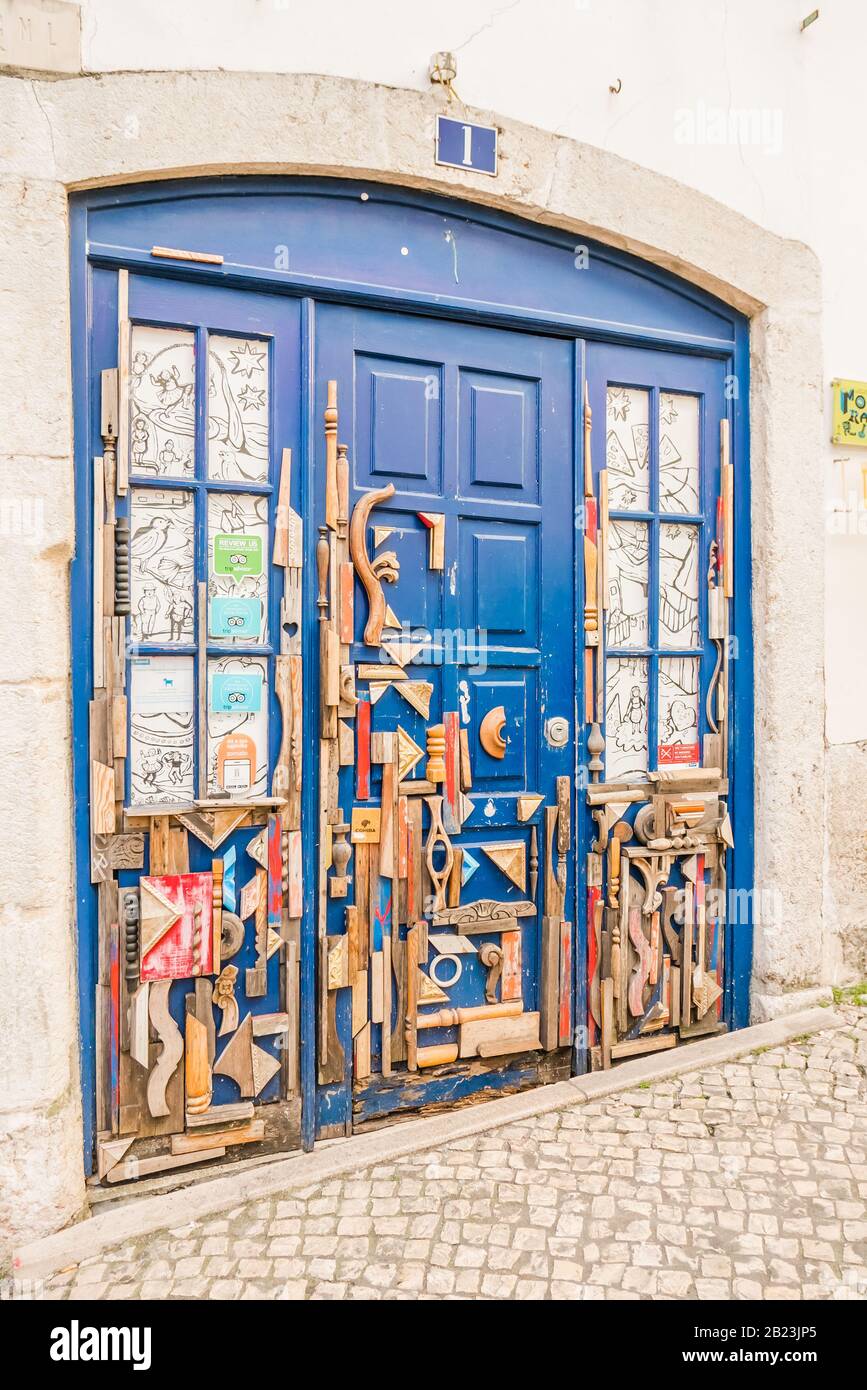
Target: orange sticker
x,y
236,763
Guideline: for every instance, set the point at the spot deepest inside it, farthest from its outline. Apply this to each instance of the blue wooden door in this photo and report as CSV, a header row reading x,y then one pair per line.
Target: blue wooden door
x,y
660,931
196,1027
473,427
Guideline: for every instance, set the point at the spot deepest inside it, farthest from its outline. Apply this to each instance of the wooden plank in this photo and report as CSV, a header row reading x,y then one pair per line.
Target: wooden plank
x,y
564,1026
549,983
386,836
398,970
411,1022
102,808
252,1133
452,817
635,1047
143,1167
607,1029
361,1053
362,903
235,1112
497,1037
98,574
387,995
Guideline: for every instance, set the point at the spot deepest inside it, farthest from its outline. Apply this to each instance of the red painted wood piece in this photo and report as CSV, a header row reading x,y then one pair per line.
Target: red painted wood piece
x,y
362,725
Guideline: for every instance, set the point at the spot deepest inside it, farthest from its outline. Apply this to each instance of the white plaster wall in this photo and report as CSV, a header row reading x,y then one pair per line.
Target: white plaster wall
x,y
796,164
57,135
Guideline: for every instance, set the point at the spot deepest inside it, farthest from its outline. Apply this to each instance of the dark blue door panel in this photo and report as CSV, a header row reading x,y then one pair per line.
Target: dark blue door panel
x,y
475,424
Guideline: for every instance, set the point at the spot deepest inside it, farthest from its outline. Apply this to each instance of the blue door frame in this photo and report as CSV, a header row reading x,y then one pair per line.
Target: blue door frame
x,y
382,247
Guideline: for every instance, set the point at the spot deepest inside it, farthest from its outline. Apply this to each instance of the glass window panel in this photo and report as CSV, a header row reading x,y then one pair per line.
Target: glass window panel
x,y
677,711
238,726
678,453
626,448
626,619
237,568
161,565
162,705
625,718
237,409
678,585
162,402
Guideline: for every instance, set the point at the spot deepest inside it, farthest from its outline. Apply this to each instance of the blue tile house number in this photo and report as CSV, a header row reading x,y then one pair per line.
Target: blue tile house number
x,y
466,146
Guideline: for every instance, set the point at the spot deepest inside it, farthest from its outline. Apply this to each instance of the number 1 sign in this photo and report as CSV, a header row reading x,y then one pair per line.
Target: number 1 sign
x,y
465,146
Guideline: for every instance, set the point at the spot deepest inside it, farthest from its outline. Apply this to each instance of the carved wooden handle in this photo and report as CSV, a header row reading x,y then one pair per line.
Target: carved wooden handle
x,y
363,567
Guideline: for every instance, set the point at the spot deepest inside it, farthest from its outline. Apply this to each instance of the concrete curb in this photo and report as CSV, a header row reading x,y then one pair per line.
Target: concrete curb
x,y
180,1208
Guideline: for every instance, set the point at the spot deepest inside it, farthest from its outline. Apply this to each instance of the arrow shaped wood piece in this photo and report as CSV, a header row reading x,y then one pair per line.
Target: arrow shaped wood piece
x,y
408,753
158,914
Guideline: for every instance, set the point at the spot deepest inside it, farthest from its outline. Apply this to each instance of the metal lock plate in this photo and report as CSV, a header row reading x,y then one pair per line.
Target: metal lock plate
x,y
557,732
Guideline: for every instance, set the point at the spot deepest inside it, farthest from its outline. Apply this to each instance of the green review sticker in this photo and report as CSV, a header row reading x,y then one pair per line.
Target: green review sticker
x,y
237,555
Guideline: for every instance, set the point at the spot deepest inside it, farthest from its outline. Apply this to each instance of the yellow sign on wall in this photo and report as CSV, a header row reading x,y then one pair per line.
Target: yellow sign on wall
x,y
849,425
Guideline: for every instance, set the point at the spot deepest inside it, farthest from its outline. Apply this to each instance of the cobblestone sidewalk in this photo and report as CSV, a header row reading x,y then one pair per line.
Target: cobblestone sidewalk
x,y
744,1181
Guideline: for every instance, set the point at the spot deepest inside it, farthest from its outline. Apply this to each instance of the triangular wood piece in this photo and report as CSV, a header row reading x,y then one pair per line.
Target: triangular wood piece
x,y
275,941
468,806
403,652
376,689
510,856
390,618
236,1059
705,994
408,753
110,1152
689,868
264,1067
528,806
158,914
212,827
429,992
418,694
725,831
380,534
258,849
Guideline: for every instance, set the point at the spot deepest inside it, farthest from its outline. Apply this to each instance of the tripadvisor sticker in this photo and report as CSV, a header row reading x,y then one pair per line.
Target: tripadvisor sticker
x,y
237,555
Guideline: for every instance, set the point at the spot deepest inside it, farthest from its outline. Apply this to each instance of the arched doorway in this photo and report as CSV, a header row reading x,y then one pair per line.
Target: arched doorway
x,y
491,841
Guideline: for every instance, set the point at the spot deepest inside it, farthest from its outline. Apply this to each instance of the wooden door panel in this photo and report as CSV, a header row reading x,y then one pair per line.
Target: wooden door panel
x,y
473,428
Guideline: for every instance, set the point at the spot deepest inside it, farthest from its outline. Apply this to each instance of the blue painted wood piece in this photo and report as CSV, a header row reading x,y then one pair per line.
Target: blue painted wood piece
x,y
472,404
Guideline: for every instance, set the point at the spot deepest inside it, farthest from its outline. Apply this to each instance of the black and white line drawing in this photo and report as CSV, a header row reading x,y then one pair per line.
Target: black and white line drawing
x,y
625,718
626,624
678,586
162,399
678,453
161,565
237,409
626,448
677,710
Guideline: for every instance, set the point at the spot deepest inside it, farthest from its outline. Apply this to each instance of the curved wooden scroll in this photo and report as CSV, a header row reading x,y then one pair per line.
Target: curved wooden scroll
x,y
169,1034
363,568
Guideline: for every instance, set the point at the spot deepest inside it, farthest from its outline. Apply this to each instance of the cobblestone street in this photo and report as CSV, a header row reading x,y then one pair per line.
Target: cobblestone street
x,y
743,1181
